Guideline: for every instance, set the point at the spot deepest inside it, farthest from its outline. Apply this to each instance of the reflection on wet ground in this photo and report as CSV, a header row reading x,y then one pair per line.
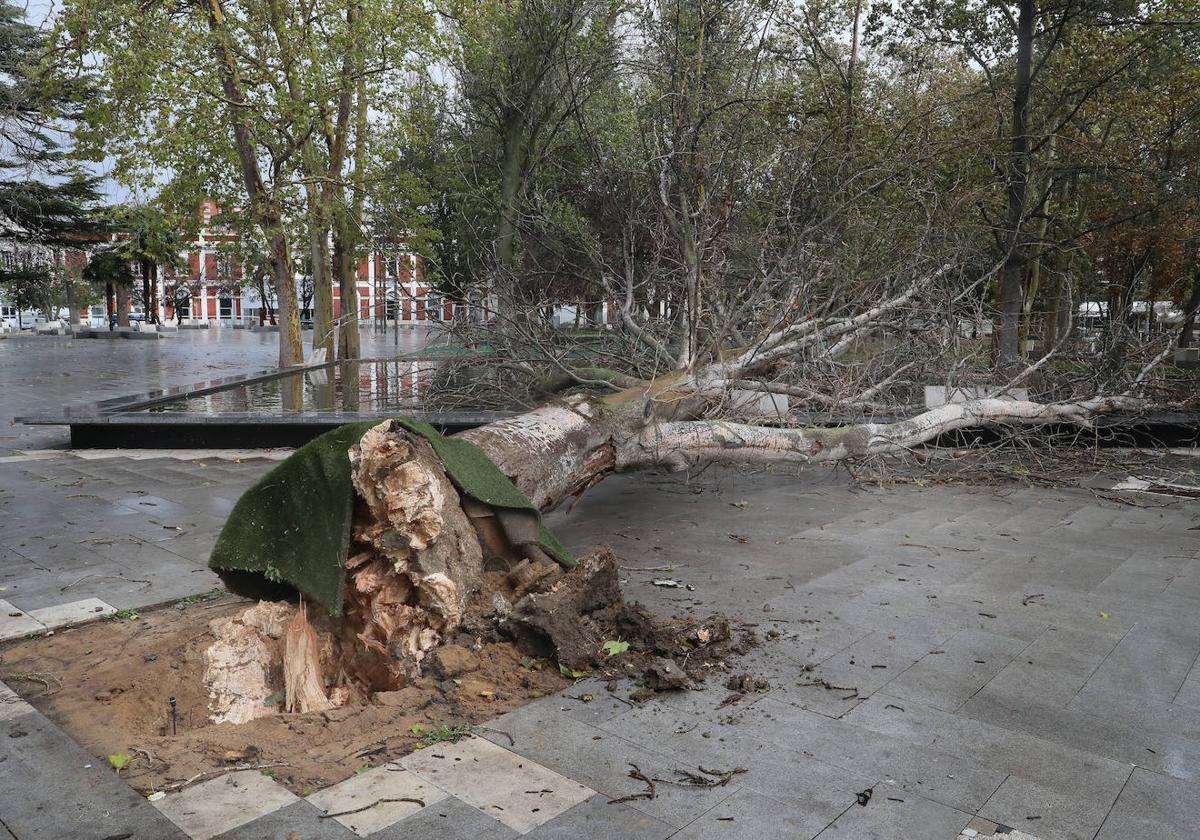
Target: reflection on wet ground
x,y
367,387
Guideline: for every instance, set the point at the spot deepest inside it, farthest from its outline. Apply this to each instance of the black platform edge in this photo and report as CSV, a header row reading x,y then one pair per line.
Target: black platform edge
x,y
214,434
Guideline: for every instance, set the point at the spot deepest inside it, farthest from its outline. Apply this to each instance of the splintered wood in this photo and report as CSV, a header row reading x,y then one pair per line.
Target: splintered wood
x,y
240,666
304,689
415,555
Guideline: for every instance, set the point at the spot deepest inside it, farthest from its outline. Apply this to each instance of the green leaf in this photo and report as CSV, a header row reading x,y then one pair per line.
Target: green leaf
x,y
119,761
418,728
570,672
613,648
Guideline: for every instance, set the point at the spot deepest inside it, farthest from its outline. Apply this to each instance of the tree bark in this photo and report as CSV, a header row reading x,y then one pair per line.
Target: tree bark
x,y
512,168
343,261
122,305
347,234
154,301
1186,332
1010,297
318,248
147,300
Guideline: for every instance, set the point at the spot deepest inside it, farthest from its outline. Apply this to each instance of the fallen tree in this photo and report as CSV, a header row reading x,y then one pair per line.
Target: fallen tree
x,y
404,537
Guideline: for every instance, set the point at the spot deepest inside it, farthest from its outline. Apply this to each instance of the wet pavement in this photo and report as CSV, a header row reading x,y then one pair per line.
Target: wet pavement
x,y
979,658
42,375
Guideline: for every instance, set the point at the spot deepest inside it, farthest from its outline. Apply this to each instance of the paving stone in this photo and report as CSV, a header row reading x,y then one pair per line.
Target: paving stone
x,y
597,817
50,789
1154,806
1053,765
1123,738
75,612
110,582
214,807
748,814
518,792
449,819
15,623
1022,679
778,759
857,671
935,685
1052,815
299,819
602,761
11,704
951,779
369,790
1150,662
892,813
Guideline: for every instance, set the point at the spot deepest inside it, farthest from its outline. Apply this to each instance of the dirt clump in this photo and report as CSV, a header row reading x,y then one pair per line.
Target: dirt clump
x,y
580,619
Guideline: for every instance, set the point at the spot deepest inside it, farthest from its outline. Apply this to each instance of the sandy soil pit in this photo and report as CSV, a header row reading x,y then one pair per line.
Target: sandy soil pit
x,y
108,685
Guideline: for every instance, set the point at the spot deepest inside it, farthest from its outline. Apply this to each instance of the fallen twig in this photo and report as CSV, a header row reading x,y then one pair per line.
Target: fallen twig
x,y
648,793
199,776
109,577
327,815
822,683
709,779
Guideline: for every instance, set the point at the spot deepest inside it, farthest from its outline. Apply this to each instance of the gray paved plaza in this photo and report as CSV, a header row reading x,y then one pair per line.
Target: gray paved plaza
x,y
999,656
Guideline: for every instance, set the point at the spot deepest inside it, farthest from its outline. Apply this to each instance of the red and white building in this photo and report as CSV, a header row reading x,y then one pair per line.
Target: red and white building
x,y
391,285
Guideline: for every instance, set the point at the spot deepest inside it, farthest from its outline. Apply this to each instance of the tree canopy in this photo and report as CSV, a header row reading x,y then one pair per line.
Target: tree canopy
x,y
711,168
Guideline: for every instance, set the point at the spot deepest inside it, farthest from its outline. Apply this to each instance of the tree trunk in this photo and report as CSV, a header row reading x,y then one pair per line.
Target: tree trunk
x,y
147,300
68,290
512,166
153,307
1053,308
122,305
1186,332
1009,303
347,233
343,261
318,244
291,345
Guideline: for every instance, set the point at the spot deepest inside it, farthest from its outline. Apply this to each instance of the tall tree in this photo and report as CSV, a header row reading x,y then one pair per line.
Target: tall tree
x,y
149,239
110,269
524,69
44,192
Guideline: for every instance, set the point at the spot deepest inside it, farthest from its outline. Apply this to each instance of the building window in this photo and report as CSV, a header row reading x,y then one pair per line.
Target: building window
x,y
226,307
